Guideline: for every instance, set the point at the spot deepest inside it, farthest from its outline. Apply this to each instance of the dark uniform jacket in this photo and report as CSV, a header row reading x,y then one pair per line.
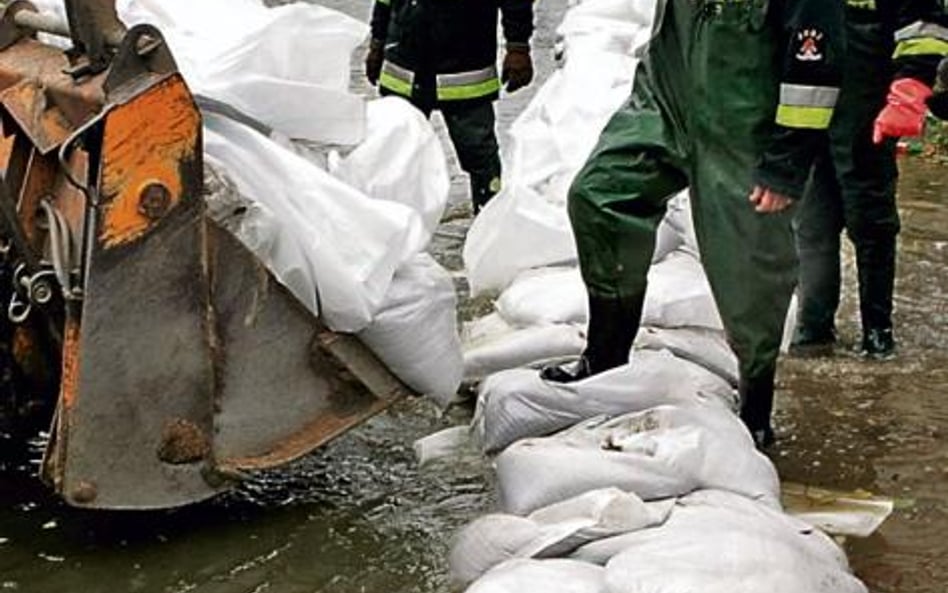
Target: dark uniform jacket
x,y
812,34
446,50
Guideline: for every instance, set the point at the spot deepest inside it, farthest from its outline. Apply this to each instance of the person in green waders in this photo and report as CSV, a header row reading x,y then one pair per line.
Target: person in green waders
x,y
732,98
442,54
854,180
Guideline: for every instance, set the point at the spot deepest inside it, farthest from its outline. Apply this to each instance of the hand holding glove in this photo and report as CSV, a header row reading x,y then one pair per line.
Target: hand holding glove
x,y
904,113
517,70
373,60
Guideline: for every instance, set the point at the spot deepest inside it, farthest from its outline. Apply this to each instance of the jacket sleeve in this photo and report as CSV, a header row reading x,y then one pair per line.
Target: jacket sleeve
x,y
921,38
813,42
381,12
517,20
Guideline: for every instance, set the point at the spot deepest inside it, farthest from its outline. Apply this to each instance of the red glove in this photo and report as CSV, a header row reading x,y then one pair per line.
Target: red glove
x,y
904,113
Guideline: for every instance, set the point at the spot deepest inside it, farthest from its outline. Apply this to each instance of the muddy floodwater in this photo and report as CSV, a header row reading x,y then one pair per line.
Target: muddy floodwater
x,y
361,516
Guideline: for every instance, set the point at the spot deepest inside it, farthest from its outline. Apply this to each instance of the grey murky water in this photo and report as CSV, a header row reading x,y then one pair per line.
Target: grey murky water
x,y
360,516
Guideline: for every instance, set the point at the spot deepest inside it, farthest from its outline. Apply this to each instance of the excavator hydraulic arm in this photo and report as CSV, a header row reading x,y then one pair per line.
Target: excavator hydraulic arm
x,y
174,361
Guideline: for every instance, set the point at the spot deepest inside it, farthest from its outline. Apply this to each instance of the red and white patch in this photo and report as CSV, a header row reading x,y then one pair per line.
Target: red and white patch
x,y
811,41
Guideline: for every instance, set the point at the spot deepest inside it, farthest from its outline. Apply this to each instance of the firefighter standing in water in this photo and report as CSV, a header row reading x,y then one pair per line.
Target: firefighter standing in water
x,y
733,98
442,55
854,180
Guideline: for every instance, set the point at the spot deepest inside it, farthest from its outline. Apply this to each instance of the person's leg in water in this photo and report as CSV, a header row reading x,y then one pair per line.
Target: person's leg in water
x,y
471,128
615,205
818,224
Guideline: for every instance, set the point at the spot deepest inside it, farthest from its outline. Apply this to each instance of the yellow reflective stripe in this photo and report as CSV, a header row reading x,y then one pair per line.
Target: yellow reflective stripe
x,y
395,85
469,91
384,2
924,46
813,118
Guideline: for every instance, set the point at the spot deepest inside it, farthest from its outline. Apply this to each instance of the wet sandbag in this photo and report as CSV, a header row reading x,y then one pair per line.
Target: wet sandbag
x,y
492,345
679,294
546,576
545,296
707,348
518,404
663,452
719,542
550,532
415,332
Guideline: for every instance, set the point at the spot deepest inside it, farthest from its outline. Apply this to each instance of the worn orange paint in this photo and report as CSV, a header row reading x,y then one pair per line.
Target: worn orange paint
x,y
145,141
69,383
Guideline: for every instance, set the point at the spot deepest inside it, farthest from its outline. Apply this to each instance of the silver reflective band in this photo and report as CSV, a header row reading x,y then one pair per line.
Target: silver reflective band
x,y
467,78
799,95
922,29
402,74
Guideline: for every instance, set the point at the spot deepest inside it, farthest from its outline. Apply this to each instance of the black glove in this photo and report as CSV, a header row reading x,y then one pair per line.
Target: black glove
x,y
373,60
517,71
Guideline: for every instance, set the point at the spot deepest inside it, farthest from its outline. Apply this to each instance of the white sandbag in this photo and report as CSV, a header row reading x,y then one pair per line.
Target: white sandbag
x,y
550,532
448,444
517,404
518,230
546,576
721,543
263,60
512,348
677,229
337,250
401,160
487,542
679,294
660,453
415,331
544,296
708,348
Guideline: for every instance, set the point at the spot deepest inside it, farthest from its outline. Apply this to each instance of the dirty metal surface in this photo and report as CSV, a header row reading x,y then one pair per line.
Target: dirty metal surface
x,y
285,384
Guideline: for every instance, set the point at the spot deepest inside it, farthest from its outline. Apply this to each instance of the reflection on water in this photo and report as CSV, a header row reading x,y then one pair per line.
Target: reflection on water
x,y
882,426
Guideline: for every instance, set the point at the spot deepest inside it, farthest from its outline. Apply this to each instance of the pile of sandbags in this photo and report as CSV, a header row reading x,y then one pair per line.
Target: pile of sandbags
x,y
641,479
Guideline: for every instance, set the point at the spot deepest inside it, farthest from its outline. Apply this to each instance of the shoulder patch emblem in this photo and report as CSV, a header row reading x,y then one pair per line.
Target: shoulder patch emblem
x,y
810,41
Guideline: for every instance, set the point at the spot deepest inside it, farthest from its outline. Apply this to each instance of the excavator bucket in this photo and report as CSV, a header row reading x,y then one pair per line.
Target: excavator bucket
x,y
176,360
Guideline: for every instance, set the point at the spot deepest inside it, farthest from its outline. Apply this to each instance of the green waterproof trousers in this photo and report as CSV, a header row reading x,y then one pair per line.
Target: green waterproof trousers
x,y
701,112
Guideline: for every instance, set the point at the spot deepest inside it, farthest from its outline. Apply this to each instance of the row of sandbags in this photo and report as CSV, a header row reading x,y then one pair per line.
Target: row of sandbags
x,y
642,479
345,232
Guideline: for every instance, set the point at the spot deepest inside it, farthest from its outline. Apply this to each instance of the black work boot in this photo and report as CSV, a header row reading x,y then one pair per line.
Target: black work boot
x,y
808,343
879,344
613,323
757,402
483,188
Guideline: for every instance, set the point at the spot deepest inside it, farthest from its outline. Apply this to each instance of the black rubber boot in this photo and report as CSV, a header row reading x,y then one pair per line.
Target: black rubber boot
x,y
757,402
613,323
483,188
878,344
807,343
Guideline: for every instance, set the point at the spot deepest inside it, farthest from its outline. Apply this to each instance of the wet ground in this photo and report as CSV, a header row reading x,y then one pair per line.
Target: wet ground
x,y
360,516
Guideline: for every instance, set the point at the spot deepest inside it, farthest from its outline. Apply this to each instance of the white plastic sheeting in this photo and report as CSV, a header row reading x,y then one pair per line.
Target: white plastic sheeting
x,y
662,452
400,160
286,66
332,239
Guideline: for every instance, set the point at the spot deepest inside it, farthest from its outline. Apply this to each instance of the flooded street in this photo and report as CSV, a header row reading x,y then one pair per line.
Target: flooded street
x,y
361,516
